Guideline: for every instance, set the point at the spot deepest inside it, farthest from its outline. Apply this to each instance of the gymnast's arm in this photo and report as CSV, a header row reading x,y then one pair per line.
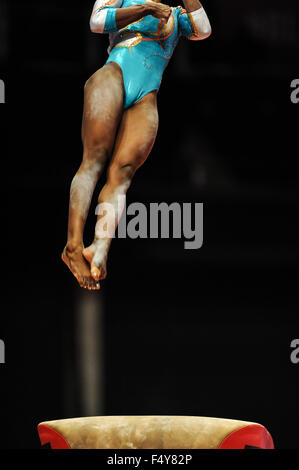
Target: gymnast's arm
x,y
200,20
107,17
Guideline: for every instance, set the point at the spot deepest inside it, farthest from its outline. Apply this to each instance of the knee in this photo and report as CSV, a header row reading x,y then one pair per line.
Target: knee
x,y
95,154
119,174
93,162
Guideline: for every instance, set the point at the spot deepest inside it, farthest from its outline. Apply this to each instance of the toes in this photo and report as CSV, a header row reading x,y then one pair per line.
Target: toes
x,y
92,285
84,282
88,283
95,272
95,285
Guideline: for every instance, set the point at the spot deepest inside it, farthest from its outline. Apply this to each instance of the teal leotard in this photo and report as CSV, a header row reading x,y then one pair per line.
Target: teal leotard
x,y
143,48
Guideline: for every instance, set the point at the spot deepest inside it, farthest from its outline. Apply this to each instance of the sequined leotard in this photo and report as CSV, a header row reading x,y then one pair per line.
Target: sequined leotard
x,y
143,48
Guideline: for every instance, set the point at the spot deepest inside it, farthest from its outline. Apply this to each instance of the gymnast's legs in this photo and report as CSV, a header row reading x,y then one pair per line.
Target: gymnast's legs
x,y
103,107
106,130
134,141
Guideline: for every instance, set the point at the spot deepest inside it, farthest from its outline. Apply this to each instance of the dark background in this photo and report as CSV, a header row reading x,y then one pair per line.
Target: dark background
x,y
175,331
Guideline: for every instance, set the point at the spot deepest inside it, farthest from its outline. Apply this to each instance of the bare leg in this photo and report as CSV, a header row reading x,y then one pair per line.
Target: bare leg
x,y
103,108
135,139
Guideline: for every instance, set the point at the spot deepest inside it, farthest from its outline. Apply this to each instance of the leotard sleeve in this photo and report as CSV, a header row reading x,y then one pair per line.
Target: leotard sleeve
x,y
103,16
194,25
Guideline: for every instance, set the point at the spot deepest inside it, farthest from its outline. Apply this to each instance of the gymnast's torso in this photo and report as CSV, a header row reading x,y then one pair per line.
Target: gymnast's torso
x,y
143,48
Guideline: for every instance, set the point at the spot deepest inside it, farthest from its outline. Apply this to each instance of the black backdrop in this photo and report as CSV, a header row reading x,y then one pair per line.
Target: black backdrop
x,y
203,332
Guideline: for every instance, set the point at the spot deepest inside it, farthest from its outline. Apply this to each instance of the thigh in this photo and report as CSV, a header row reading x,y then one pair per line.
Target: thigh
x,y
103,107
137,133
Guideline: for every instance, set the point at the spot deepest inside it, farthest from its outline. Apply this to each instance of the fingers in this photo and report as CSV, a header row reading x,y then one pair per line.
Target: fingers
x,y
164,19
166,12
161,12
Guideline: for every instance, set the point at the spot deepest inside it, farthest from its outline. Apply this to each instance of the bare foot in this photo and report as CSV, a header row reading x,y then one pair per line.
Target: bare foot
x,y
80,269
97,271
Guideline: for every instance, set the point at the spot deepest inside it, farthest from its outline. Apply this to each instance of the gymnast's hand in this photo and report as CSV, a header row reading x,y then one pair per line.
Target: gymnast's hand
x,y
159,10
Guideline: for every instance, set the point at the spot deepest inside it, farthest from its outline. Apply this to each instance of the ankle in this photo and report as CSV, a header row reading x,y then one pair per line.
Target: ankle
x,y
73,246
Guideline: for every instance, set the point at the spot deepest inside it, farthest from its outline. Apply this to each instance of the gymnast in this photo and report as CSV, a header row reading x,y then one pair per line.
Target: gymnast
x,y
120,117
